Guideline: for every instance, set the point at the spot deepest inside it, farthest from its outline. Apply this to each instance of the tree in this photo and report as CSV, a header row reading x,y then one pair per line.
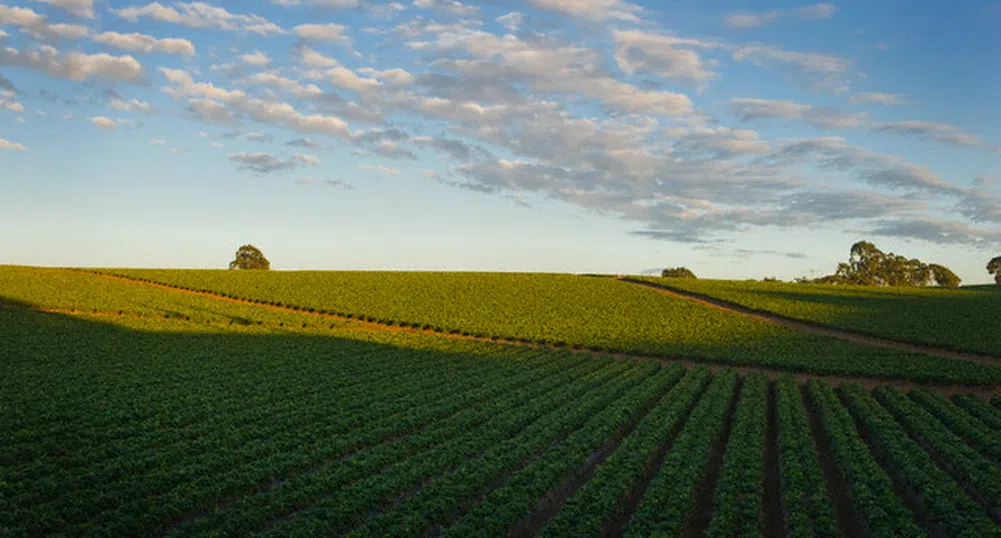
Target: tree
x,y
869,266
994,268
678,272
943,276
250,257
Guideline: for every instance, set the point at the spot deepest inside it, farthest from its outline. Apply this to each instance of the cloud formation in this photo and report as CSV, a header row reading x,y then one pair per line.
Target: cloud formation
x,y
757,20
265,163
136,42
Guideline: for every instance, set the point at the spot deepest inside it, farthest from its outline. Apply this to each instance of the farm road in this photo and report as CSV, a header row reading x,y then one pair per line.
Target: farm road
x,y
816,328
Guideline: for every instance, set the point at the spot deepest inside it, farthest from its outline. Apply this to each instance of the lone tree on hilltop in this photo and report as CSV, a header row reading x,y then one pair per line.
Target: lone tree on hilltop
x,y
678,272
250,257
869,266
994,268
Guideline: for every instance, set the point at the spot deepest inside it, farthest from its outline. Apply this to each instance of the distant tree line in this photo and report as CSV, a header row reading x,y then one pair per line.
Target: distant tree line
x,y
870,266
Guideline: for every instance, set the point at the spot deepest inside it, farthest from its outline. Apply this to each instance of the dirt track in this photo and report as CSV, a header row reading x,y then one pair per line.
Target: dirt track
x,y
771,373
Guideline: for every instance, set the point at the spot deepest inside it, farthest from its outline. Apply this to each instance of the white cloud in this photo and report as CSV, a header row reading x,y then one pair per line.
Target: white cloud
x,y
75,66
595,10
38,26
823,118
134,105
819,71
879,98
157,141
380,169
257,58
756,20
8,102
144,43
104,122
343,77
270,112
666,56
6,144
512,21
310,58
929,130
200,15
452,8
335,33
334,4
79,8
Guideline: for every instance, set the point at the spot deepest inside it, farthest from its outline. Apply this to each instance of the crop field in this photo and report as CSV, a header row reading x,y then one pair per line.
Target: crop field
x,y
595,313
964,318
128,409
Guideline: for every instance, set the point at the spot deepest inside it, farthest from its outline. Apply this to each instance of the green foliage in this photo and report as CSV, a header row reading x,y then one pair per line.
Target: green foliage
x,y
668,502
994,268
964,319
738,503
677,272
869,266
936,494
869,486
804,489
249,257
595,313
601,500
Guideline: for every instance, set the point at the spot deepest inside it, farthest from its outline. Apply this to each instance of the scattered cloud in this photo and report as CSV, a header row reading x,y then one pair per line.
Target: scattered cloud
x,y
200,15
13,146
75,66
265,163
331,182
79,8
259,137
380,169
593,10
928,130
136,42
132,105
879,98
157,141
303,143
814,70
330,33
665,56
757,20
38,26
256,58
104,122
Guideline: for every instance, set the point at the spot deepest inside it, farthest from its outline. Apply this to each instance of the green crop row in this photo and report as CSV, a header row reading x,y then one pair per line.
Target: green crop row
x,y
501,508
980,409
871,491
210,465
670,499
964,319
601,500
971,430
738,505
253,511
945,505
511,439
806,508
968,467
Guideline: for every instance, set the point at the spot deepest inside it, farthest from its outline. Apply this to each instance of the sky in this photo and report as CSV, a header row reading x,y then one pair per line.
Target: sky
x,y
505,135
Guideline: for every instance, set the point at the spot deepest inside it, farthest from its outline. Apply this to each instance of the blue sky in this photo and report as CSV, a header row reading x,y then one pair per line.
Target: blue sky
x,y
534,135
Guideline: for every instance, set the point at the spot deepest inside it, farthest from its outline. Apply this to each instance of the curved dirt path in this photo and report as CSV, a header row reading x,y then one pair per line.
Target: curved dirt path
x,y
816,328
714,366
